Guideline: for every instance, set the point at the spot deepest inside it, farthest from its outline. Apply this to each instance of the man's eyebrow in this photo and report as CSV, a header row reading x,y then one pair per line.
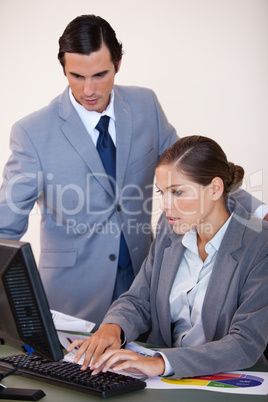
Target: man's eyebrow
x,y
101,73
94,75
76,74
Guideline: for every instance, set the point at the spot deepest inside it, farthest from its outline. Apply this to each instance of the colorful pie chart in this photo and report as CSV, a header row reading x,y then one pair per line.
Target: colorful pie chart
x,y
226,380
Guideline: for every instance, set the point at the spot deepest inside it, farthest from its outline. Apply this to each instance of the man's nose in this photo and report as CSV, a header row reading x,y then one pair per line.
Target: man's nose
x,y
89,88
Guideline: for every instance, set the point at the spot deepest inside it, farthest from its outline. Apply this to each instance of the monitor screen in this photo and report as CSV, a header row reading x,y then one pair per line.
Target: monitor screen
x,y
25,317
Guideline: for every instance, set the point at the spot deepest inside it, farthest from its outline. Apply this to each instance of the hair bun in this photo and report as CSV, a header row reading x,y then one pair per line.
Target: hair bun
x,y
236,174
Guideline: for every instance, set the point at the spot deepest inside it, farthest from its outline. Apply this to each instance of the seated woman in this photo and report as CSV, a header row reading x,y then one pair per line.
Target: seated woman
x,y
202,291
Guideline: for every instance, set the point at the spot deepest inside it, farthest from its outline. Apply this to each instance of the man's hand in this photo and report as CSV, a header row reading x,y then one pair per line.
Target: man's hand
x,y
107,337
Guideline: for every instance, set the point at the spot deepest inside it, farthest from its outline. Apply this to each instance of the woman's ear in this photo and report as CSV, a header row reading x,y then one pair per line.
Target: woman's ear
x,y
217,188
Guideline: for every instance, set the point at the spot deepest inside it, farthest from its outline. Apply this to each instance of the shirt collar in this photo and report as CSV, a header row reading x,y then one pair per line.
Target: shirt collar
x,y
190,239
91,119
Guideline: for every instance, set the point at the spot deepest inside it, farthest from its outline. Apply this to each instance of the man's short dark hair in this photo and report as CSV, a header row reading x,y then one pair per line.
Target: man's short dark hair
x,y
86,34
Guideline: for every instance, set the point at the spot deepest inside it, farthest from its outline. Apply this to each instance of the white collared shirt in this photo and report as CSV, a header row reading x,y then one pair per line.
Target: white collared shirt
x,y
189,289
261,211
91,119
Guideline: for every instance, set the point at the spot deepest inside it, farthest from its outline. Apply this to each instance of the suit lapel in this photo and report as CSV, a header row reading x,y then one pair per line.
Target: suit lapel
x,y
78,137
221,277
170,264
123,137
216,293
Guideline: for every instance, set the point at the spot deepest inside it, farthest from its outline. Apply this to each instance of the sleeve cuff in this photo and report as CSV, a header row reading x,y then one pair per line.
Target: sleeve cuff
x,y
168,368
123,339
261,211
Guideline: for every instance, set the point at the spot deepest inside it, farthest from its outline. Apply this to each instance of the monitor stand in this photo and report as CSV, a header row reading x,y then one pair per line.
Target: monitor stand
x,y
21,394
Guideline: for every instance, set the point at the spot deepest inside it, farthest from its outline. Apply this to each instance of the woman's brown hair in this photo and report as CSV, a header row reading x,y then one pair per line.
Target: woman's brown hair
x,y
202,159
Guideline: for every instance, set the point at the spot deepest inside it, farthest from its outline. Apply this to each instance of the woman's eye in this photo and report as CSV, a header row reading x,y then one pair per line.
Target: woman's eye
x,y
177,193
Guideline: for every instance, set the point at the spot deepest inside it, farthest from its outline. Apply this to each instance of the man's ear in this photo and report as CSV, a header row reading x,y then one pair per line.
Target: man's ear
x,y
119,65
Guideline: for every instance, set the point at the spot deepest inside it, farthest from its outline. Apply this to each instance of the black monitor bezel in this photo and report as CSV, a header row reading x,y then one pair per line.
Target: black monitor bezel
x,y
11,331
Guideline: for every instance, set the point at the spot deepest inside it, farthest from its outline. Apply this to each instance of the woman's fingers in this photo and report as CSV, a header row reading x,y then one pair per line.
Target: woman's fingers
x,y
126,359
108,336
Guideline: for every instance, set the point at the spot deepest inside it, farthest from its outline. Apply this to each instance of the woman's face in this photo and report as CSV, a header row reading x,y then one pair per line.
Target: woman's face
x,y
187,204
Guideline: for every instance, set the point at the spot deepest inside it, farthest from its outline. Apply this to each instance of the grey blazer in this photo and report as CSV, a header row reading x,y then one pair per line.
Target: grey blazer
x,y
55,163
235,309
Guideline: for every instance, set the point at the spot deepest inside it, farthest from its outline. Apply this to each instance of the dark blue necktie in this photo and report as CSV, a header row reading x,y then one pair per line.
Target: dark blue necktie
x,y
107,152
106,148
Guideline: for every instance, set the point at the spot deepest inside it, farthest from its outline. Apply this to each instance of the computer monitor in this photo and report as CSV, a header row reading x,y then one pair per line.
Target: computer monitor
x,y
25,317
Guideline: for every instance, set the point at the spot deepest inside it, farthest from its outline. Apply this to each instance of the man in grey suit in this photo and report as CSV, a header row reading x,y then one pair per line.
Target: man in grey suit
x,y
95,225
85,217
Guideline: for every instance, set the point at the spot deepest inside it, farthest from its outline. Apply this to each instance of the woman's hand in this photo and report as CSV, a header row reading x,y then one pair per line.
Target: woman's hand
x,y
107,337
123,359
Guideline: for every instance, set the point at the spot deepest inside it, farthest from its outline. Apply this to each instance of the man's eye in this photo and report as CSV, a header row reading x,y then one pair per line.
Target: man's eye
x,y
100,75
77,76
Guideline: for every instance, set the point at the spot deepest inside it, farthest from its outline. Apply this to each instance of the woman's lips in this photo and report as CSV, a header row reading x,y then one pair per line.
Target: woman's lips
x,y
171,220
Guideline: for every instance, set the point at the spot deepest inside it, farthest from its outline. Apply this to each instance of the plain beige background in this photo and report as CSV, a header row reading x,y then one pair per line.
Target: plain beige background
x,y
207,61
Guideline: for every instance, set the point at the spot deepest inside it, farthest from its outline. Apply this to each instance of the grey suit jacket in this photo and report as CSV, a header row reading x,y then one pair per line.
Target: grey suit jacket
x,y
55,163
235,309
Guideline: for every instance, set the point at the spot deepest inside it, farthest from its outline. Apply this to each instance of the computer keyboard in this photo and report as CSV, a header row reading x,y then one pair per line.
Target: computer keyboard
x,y
69,375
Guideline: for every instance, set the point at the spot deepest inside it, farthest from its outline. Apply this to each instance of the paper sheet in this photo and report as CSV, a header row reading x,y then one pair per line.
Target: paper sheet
x,y
64,322
235,382
66,339
140,349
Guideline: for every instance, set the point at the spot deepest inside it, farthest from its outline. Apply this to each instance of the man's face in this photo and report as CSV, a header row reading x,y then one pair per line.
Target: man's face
x,y
91,78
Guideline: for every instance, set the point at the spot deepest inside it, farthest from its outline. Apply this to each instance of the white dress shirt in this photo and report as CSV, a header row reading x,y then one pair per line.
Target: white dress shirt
x,y
188,291
261,211
91,119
